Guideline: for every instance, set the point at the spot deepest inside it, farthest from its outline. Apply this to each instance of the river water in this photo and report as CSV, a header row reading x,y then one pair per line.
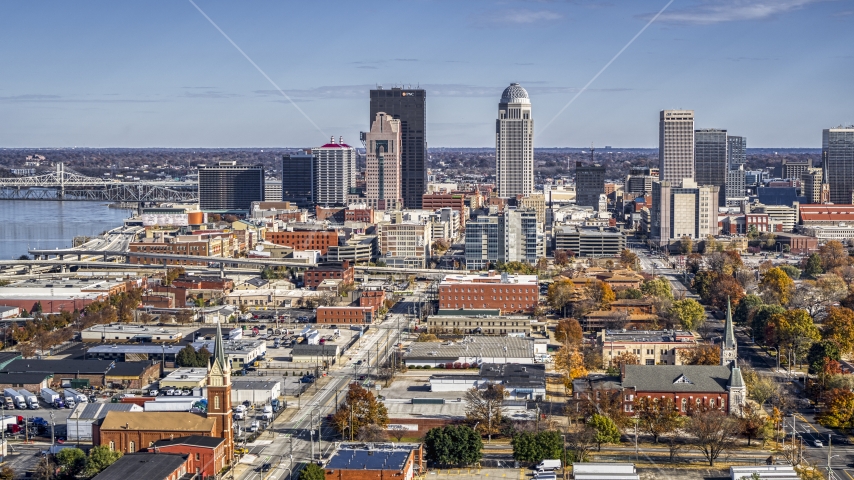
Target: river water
x,y
50,224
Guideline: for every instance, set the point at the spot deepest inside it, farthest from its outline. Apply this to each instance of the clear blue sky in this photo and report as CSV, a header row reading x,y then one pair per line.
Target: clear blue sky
x,y
158,74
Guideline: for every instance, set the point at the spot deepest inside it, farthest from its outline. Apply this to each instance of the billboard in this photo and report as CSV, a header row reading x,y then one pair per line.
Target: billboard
x,y
164,219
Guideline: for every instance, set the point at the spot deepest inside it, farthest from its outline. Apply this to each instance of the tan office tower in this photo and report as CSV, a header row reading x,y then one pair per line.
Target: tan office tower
x,y
676,145
382,173
514,143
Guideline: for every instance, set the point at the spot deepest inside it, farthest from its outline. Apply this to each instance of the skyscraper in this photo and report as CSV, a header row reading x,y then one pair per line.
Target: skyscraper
x,y
514,235
228,186
514,143
334,172
736,151
382,172
298,178
683,210
710,159
676,145
589,184
410,107
837,153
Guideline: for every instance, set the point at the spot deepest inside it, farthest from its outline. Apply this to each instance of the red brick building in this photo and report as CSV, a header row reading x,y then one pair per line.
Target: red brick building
x,y
130,432
372,298
335,214
435,201
401,461
319,240
345,315
518,293
206,455
198,282
365,215
329,271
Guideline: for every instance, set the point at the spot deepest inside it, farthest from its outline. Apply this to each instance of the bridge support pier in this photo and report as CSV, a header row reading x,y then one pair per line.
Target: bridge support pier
x,y
79,257
105,257
64,268
221,269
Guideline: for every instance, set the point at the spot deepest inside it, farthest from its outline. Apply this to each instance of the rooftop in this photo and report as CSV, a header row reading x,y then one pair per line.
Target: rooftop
x,y
161,421
677,378
131,329
97,411
193,440
143,465
650,336
510,347
31,365
491,277
253,385
370,457
303,349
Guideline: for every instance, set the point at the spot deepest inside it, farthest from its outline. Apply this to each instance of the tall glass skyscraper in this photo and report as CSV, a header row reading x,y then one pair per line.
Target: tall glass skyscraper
x,y
710,155
229,186
837,153
298,178
410,107
736,151
514,143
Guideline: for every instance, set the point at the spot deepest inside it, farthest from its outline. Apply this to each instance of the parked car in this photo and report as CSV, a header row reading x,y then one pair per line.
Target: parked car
x,y
818,443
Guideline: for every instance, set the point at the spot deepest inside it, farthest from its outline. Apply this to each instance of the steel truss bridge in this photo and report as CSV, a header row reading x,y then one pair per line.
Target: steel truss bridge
x,y
66,184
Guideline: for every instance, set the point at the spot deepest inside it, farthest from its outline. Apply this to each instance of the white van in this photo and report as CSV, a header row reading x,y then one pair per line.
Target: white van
x,y
548,465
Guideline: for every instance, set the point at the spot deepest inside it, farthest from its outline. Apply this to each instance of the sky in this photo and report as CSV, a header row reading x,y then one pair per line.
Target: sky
x,y
160,74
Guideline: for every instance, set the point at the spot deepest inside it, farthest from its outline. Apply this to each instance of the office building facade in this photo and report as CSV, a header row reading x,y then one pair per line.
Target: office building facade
x,y
710,159
683,211
736,191
676,145
229,186
813,186
298,178
837,153
514,143
512,236
272,190
589,185
736,151
334,172
410,107
382,164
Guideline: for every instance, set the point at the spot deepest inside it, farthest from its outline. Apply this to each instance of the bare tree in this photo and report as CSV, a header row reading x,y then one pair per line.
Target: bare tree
x,y
715,432
372,433
396,432
580,442
484,408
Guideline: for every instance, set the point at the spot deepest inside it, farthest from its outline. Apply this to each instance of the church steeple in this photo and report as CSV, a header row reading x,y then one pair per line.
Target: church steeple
x,y
219,349
729,348
219,391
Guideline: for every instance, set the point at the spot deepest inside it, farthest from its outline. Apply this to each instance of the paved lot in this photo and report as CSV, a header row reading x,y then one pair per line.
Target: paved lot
x,y
526,474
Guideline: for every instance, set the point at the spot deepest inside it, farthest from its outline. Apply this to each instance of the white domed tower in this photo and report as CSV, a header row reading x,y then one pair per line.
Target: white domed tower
x,y
514,143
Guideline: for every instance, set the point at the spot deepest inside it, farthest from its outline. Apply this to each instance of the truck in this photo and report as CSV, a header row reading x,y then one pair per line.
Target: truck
x,y
267,413
69,400
8,420
16,397
276,404
50,397
31,399
78,397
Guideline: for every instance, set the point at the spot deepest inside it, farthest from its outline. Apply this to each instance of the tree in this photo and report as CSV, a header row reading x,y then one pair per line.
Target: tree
x,y
560,294
715,289
453,445
570,362
762,389
813,267
6,473
714,431
792,271
100,457
579,443
626,358
605,430
312,471
793,329
839,409
688,312
776,286
761,319
360,408
656,417
536,447
839,327
694,262
657,287
630,293
568,332
372,433
45,469
184,316
561,258
741,314
701,355
686,245
751,421
172,274
601,294
822,352
628,259
832,254
71,461
484,408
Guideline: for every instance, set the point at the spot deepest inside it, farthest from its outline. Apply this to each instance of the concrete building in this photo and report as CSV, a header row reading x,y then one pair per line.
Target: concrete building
x,y
589,241
228,186
735,192
589,184
404,245
185,378
837,155
256,391
813,186
376,461
382,172
840,232
686,211
736,151
239,353
409,105
326,354
508,293
511,236
781,218
514,143
676,145
272,190
658,347
519,381
479,322
118,332
445,225
535,202
359,248
334,172
710,159
792,169
298,178
474,351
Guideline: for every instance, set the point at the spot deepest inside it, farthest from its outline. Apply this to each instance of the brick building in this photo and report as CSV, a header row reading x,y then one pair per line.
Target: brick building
x,y
328,271
365,215
206,455
199,282
372,298
355,462
319,240
456,201
98,373
508,293
345,315
147,466
130,432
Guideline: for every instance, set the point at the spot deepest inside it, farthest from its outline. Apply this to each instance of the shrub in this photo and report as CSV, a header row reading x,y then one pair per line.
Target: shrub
x,y
466,365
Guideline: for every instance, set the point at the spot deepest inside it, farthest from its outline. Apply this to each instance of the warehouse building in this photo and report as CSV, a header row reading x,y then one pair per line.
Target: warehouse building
x,y
520,381
85,414
474,351
129,333
254,391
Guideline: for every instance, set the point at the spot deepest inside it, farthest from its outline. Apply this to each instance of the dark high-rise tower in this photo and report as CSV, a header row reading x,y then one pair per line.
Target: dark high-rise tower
x,y
589,184
228,186
837,156
298,178
710,159
410,107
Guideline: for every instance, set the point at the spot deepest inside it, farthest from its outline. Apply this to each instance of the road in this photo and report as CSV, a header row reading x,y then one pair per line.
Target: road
x,y
291,445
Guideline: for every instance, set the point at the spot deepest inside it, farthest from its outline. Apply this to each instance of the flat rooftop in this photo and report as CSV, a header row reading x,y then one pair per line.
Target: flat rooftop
x,y
490,278
370,457
647,336
131,329
511,347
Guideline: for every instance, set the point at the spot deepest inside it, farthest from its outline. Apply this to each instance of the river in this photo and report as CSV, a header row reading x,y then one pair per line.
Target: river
x,y
50,224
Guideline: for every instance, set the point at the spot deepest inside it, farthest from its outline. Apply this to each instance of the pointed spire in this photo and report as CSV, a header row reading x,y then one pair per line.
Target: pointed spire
x,y
219,349
735,379
729,336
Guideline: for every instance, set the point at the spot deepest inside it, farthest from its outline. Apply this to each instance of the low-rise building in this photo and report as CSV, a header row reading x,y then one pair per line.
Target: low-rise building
x,y
474,351
94,373
317,238
372,461
326,354
185,378
257,392
360,248
347,315
161,466
658,347
796,243
79,423
508,293
240,353
122,332
31,382
272,297
130,432
590,242
519,381
207,456
326,271
486,322
824,233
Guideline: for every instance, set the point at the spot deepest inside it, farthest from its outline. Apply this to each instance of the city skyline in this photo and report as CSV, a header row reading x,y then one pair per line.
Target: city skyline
x,y
94,78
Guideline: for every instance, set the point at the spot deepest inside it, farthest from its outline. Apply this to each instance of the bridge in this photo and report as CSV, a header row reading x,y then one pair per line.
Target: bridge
x,y
66,184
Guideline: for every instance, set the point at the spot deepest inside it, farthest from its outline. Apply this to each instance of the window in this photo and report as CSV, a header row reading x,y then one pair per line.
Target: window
x,y
650,361
198,456
216,402
131,447
112,446
684,404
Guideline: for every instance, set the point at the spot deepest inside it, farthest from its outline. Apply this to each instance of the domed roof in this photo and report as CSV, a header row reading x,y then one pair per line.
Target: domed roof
x,y
515,94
